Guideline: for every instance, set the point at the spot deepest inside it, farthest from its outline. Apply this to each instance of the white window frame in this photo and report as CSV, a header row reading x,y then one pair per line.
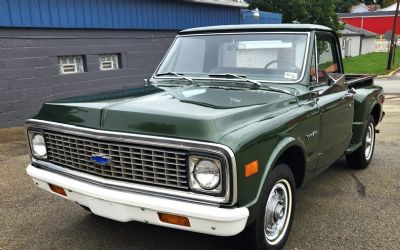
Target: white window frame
x,y
71,62
111,59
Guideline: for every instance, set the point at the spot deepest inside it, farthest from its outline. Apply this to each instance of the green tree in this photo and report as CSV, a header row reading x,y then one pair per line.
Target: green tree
x,y
387,3
343,6
321,12
384,3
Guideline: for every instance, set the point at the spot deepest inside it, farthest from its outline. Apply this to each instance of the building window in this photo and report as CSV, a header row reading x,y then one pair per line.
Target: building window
x,y
109,61
71,64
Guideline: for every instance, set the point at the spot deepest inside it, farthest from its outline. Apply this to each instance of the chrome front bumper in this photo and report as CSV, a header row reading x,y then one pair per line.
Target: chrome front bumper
x,y
126,206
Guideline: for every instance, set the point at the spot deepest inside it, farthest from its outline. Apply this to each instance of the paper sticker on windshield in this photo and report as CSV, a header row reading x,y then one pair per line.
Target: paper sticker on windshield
x,y
290,75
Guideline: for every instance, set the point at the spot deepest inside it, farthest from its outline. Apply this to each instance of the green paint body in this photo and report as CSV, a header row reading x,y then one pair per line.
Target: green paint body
x,y
258,125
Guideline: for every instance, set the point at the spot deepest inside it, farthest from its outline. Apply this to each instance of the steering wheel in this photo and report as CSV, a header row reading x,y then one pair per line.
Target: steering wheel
x,y
292,65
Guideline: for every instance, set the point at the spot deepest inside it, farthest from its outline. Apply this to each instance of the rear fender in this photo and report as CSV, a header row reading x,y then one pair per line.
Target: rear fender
x,y
364,101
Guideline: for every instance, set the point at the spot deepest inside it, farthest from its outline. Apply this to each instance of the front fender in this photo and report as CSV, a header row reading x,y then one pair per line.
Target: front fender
x,y
265,141
267,149
283,145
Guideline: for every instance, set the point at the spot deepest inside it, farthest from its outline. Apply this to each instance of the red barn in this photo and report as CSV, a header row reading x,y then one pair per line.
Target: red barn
x,y
375,21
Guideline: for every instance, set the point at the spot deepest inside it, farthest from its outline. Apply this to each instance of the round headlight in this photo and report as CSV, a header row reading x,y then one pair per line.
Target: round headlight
x,y
207,174
38,146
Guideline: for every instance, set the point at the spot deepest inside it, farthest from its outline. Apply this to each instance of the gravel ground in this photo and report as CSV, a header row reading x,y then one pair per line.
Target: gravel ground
x,y
341,209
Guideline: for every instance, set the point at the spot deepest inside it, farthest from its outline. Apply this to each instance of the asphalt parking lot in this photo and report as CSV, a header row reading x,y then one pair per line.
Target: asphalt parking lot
x,y
341,209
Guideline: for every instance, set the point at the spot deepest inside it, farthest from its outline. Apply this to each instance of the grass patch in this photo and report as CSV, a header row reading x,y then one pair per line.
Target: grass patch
x,y
372,63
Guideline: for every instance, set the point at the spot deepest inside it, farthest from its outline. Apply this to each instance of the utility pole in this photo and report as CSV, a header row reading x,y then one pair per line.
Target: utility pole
x,y
393,43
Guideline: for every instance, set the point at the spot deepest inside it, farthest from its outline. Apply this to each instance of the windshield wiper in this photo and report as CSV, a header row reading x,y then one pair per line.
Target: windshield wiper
x,y
180,75
257,83
243,77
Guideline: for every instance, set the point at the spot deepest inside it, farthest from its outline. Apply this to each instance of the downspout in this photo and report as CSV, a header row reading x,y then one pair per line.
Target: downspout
x,y
362,22
361,42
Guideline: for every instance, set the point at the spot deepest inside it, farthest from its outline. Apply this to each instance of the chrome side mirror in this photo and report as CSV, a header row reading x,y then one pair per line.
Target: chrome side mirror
x,y
336,79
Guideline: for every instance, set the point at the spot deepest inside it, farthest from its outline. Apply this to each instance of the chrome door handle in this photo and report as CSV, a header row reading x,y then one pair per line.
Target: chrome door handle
x,y
347,95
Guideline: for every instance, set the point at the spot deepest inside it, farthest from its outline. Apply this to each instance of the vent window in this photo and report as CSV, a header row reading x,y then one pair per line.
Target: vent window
x,y
71,64
109,61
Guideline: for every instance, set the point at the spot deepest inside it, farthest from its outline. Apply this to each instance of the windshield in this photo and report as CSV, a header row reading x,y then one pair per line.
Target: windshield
x,y
271,57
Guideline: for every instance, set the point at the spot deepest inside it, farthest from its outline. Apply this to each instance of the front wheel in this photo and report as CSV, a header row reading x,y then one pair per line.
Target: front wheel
x,y
361,158
274,217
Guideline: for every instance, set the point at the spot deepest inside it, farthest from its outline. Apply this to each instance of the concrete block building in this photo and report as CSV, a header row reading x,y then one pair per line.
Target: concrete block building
x,y
52,49
355,41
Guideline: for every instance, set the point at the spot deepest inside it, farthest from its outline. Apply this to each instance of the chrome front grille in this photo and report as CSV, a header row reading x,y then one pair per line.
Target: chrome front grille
x,y
129,162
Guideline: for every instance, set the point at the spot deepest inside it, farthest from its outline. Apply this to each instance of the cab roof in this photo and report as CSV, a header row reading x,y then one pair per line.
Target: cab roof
x,y
255,27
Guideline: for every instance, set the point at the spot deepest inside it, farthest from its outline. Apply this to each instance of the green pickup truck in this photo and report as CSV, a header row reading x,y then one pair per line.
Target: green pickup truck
x,y
233,121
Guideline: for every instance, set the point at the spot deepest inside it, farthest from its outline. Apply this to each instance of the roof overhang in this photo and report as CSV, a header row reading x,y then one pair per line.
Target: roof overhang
x,y
367,14
228,3
255,27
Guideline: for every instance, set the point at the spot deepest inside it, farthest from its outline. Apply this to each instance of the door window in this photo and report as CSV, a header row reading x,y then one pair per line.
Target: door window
x,y
326,57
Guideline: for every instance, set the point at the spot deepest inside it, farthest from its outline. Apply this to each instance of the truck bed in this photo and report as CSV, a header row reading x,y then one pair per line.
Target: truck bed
x,y
359,79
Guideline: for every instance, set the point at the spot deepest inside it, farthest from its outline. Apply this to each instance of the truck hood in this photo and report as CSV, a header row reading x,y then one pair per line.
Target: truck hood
x,y
191,112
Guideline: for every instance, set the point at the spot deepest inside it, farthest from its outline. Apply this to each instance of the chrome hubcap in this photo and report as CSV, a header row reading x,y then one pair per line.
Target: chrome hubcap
x,y
369,141
277,212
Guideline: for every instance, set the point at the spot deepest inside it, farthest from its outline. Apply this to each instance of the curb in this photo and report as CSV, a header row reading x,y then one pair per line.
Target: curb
x,y
390,74
392,96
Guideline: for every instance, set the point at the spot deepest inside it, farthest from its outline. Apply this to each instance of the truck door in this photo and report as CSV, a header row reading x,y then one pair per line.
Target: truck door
x,y
335,102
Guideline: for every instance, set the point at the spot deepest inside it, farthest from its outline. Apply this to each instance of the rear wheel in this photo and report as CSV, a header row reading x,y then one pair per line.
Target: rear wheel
x,y
274,217
361,158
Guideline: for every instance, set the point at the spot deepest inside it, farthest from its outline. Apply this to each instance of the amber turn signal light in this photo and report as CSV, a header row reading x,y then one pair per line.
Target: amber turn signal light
x,y
382,99
251,168
57,189
174,219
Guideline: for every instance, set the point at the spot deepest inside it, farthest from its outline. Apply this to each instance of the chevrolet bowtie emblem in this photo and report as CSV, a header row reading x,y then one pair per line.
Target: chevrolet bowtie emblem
x,y
100,159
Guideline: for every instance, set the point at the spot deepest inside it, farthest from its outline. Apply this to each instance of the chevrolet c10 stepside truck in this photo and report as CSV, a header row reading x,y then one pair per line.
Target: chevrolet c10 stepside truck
x,y
233,121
